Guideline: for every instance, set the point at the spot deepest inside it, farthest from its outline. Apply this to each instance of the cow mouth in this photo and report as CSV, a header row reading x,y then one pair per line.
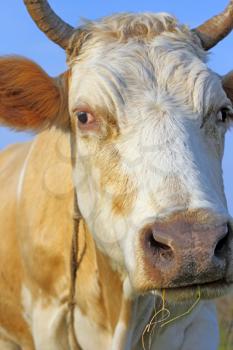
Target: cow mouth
x,y
209,290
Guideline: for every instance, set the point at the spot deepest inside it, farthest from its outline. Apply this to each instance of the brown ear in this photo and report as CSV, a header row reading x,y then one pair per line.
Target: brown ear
x,y
29,98
227,82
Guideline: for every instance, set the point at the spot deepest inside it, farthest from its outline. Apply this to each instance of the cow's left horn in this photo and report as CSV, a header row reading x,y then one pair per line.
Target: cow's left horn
x,y
216,28
46,19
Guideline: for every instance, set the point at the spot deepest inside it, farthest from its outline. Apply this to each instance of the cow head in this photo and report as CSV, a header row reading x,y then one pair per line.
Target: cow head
x,y
148,120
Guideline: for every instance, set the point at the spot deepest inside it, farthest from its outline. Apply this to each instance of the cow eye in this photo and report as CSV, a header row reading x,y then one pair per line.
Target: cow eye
x,y
86,120
223,115
83,117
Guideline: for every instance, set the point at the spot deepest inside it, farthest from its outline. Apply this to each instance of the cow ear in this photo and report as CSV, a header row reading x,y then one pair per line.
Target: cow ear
x,y
227,82
29,98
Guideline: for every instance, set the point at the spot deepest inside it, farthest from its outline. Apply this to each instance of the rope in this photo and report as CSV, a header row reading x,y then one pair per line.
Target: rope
x,y
74,264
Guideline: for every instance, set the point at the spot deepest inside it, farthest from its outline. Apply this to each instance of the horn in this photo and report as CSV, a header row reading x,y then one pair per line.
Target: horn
x,y
216,28
46,19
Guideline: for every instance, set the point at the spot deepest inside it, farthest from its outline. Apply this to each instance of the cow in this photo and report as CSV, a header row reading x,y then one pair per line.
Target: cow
x,y
115,233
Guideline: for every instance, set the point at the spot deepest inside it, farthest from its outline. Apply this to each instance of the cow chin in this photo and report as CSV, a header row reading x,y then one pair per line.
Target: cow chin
x,y
187,293
185,289
205,291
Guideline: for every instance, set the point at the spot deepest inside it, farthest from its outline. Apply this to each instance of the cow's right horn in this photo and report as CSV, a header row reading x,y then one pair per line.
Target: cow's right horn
x,y
216,28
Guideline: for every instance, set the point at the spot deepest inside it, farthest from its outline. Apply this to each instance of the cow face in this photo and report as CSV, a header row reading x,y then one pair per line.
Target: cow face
x,y
149,120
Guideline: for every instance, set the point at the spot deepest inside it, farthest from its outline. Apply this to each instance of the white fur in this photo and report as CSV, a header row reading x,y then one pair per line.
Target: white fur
x,y
89,335
27,305
23,171
49,327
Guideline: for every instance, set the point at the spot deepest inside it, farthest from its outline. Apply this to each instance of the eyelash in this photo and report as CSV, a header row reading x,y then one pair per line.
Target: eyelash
x,y
224,115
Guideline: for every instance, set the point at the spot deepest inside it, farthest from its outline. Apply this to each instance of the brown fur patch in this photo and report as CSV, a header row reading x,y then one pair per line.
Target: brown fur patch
x,y
45,227
114,179
11,269
95,295
123,202
29,98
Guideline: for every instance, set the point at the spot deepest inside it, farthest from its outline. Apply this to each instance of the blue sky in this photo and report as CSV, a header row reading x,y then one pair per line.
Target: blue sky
x,y
19,35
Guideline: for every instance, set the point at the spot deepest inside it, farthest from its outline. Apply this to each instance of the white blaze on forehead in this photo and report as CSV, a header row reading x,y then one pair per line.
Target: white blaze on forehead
x,y
136,78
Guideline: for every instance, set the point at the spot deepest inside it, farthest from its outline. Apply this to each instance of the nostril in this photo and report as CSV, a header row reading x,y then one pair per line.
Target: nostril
x,y
155,244
156,247
222,245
